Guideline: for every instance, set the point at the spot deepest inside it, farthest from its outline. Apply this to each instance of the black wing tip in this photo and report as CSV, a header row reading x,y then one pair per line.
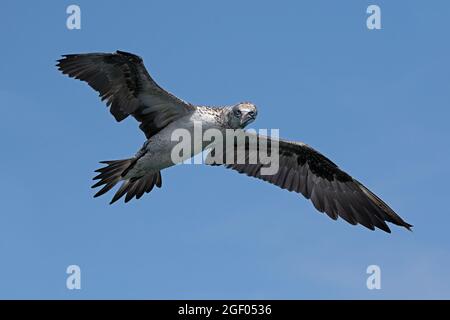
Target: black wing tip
x,y
61,63
388,230
401,223
384,227
119,52
408,226
65,57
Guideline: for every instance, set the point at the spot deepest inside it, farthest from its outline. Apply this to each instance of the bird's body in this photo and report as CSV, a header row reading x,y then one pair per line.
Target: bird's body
x,y
155,155
122,80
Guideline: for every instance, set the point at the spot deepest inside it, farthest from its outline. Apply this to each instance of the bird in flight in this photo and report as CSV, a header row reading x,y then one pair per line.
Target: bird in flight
x,y
122,80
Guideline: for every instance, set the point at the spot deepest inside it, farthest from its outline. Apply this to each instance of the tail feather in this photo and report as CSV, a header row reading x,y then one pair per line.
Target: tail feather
x,y
158,182
114,172
122,190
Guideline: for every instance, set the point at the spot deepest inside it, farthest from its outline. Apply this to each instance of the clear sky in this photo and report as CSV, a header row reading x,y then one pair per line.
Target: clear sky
x,y
377,102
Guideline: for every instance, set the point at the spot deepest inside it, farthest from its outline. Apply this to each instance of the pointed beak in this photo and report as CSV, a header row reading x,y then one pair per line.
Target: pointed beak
x,y
247,118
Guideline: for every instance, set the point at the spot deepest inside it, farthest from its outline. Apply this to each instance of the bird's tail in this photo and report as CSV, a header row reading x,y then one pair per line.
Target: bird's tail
x,y
115,171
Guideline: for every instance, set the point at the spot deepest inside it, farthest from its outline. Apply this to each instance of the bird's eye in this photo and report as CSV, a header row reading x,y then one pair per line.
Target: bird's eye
x,y
237,113
251,113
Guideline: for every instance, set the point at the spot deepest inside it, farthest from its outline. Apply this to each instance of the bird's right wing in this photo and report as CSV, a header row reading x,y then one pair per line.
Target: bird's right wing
x,y
304,170
122,80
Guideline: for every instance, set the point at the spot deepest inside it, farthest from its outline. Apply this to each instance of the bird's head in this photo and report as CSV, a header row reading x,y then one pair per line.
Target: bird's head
x,y
241,114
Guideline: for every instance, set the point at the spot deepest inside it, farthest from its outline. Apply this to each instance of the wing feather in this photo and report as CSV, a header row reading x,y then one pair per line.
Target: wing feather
x,y
331,190
122,80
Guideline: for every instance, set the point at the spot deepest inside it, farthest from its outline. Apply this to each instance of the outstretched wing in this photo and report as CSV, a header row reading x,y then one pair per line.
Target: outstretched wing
x,y
304,170
122,80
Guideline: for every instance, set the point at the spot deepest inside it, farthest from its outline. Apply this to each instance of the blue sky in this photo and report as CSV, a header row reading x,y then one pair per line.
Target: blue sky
x,y
375,102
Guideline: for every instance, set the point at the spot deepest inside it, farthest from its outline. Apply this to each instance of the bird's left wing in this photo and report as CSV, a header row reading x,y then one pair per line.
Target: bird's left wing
x,y
304,170
122,80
